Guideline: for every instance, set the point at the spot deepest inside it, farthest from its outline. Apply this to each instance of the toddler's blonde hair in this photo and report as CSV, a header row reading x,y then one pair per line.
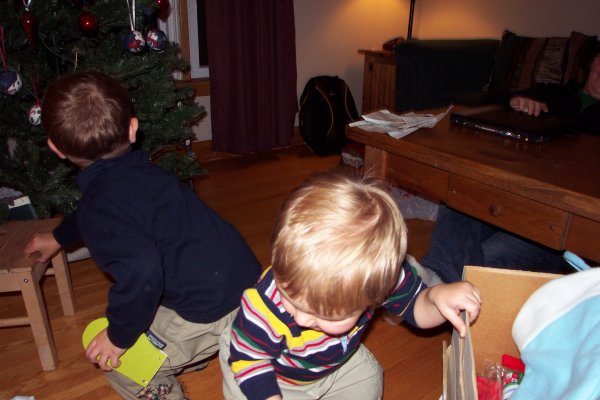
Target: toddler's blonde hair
x,y
338,244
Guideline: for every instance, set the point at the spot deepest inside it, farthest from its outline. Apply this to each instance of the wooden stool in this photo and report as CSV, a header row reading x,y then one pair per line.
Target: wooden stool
x,y
19,273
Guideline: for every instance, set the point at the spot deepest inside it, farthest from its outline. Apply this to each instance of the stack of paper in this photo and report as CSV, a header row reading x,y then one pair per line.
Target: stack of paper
x,y
398,126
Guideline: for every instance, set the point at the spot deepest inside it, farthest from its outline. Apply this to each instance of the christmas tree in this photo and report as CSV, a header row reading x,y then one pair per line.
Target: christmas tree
x,y
44,39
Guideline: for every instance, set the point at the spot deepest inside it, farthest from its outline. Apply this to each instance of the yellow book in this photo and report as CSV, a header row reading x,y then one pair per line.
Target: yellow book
x,y
139,363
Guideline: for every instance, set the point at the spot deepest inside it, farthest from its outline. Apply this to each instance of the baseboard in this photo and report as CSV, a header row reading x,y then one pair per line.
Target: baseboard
x,y
205,153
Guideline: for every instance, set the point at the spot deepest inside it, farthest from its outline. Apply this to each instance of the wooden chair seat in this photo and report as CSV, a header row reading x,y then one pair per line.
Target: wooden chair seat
x,y
20,273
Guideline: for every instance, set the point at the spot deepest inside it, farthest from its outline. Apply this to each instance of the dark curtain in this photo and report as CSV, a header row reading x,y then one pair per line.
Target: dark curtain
x,y
252,63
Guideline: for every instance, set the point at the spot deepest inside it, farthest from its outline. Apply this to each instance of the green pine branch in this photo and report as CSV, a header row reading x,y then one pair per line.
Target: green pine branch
x,y
165,112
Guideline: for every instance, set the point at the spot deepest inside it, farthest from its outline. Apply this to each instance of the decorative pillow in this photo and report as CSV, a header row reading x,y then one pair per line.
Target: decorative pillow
x,y
580,50
523,61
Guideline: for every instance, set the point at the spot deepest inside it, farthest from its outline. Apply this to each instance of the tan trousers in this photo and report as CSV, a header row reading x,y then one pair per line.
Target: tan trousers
x,y
188,347
360,378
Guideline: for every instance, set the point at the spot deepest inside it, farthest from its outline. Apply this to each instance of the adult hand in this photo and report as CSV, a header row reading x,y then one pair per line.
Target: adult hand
x,y
528,106
101,350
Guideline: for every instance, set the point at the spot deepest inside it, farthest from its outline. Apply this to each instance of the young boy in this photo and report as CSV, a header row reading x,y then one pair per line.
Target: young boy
x,y
338,252
178,268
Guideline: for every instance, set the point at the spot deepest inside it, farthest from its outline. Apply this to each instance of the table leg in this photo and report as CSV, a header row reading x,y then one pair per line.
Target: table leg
x,y
38,319
63,281
374,162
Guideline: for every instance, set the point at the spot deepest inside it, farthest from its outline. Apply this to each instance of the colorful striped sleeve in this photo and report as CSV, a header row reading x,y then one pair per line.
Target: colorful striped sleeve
x,y
256,339
401,301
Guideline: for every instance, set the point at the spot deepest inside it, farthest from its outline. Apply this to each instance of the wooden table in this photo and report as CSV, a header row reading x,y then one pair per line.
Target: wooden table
x,y
20,273
548,192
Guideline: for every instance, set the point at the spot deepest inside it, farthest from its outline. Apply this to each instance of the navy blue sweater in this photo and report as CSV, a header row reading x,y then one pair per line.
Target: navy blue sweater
x,y
160,243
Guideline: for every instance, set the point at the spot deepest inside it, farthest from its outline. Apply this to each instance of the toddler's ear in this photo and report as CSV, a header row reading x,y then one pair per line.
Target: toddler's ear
x,y
56,151
133,127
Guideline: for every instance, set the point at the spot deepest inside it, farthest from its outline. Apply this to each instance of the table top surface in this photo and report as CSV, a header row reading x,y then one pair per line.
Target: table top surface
x,y
14,235
563,172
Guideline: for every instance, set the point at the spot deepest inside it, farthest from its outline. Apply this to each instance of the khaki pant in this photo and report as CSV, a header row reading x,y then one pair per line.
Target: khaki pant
x,y
188,347
361,378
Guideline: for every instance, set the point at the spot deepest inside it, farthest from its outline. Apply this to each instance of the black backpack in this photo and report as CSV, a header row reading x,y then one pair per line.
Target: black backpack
x,y
326,107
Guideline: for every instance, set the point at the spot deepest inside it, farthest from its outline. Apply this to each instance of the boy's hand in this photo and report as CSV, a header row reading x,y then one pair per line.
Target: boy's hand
x,y
447,301
101,350
452,298
44,243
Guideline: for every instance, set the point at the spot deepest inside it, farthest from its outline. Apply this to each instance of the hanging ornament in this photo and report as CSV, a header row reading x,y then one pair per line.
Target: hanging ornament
x,y
88,23
35,112
10,81
134,40
164,6
156,39
29,22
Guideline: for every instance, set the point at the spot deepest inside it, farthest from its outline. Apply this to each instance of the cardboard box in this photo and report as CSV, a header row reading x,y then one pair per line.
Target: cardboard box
x,y
503,294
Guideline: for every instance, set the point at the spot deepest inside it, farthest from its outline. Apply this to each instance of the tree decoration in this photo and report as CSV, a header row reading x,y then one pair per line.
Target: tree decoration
x,y
156,39
29,22
10,81
134,40
164,6
88,23
35,112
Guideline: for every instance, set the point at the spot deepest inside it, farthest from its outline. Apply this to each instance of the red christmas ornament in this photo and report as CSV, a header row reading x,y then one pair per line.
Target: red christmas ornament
x,y
29,22
164,6
88,22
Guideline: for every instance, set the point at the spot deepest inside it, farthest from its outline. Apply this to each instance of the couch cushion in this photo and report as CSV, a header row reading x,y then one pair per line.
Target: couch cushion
x,y
580,50
523,61
435,73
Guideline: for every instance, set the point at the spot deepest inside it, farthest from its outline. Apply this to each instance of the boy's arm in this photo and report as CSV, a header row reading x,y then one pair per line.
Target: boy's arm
x,y
443,302
254,343
47,244
125,250
68,231
401,301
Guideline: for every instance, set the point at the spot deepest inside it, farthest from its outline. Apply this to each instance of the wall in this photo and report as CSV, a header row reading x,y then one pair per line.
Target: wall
x,y
330,32
476,18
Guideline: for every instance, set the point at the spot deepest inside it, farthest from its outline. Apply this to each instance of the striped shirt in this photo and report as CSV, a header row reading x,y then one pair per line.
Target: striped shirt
x,y
267,345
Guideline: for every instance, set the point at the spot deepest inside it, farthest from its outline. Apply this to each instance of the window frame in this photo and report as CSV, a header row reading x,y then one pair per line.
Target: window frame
x,y
177,28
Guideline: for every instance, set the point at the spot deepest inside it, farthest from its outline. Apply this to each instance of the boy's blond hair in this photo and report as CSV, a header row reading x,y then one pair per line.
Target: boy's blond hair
x,y
338,244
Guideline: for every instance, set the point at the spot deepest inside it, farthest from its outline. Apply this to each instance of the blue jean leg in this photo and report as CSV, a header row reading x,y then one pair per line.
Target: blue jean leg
x,y
460,240
505,250
455,242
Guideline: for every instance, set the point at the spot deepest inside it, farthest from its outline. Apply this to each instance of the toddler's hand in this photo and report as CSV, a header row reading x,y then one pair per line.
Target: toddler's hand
x,y
451,299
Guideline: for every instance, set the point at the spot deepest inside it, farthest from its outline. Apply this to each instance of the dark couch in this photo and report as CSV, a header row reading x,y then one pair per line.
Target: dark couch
x,y
436,73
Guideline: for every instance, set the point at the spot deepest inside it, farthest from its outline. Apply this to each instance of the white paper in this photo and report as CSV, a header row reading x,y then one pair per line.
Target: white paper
x,y
398,126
